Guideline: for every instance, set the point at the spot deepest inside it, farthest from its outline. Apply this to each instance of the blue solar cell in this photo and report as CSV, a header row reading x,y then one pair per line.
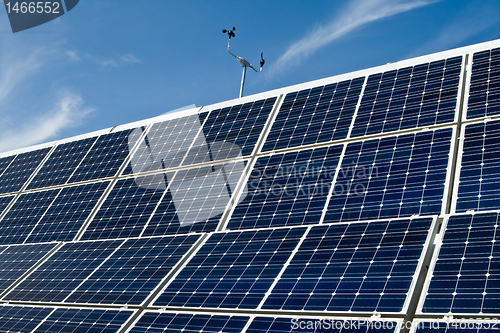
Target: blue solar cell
x,y
105,158
409,97
361,267
67,213
196,200
315,115
314,325
17,319
232,270
287,189
479,186
63,272
166,144
5,162
234,129
131,273
84,320
152,322
466,277
484,92
18,172
391,177
61,163
128,207
16,260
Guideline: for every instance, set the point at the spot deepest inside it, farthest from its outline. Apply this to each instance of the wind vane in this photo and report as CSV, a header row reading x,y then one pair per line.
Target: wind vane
x,y
242,61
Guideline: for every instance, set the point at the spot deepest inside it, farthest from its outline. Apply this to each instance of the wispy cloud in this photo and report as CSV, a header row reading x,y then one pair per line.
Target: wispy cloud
x,y
69,110
122,60
355,15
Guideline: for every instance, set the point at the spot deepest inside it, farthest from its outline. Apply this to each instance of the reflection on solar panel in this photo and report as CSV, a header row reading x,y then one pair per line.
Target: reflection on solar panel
x,y
287,189
108,272
484,93
466,278
356,267
314,325
17,259
479,187
233,127
327,200
391,177
153,322
409,97
232,270
18,172
61,164
104,159
53,215
315,115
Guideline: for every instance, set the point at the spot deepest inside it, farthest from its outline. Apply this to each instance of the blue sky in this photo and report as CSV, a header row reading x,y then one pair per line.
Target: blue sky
x,y
111,62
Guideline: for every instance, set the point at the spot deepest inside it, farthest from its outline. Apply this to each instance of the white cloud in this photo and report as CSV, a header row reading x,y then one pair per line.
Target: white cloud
x,y
355,15
68,111
72,55
122,60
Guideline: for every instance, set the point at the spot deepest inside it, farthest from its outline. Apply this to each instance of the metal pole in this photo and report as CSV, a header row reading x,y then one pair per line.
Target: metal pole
x,y
243,80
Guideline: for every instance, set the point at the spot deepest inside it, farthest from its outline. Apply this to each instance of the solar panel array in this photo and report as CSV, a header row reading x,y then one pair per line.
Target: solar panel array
x,y
353,203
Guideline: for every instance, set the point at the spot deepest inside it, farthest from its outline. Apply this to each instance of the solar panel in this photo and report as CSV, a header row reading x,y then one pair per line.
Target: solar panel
x,y
231,129
287,189
232,269
84,320
105,158
476,325
18,172
154,322
15,319
409,97
484,92
396,176
166,144
53,215
358,267
18,259
466,275
319,114
323,325
104,272
479,187
5,162
61,164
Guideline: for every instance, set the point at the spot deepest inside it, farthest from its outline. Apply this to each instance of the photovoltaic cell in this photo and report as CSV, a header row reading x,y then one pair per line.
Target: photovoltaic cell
x,y
133,271
63,272
61,163
466,278
237,126
4,202
16,260
409,97
391,177
359,267
18,172
315,115
152,322
313,325
67,213
128,207
232,270
287,189
5,162
17,319
196,200
105,158
166,144
84,321
484,92
479,186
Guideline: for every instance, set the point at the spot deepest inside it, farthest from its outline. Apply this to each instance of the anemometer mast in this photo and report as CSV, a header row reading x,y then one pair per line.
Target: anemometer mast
x,y
242,61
